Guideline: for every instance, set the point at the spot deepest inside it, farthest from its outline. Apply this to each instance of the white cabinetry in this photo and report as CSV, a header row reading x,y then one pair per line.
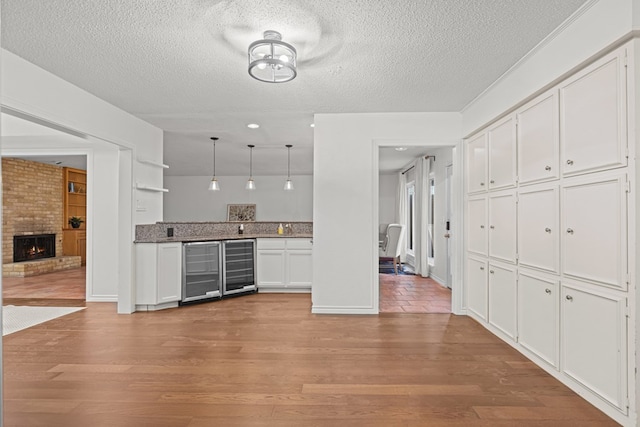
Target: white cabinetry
x,y
502,298
477,290
594,341
158,275
538,145
593,116
284,264
477,225
538,315
502,154
594,222
502,226
539,227
477,163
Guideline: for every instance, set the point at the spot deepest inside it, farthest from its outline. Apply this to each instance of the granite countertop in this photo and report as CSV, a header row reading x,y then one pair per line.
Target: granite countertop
x,y
235,236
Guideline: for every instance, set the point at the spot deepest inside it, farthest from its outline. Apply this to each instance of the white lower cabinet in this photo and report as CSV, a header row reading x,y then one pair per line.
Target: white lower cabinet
x,y
502,226
284,264
539,315
502,298
593,341
477,290
158,275
539,227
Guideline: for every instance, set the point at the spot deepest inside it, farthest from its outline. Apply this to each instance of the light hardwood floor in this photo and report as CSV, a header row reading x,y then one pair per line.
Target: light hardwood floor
x,y
60,288
265,360
413,294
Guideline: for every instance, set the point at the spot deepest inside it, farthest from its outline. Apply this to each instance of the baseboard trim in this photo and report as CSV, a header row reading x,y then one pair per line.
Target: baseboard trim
x,y
343,310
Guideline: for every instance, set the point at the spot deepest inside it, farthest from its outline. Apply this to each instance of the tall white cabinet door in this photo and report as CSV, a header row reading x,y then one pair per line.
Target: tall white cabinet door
x,y
502,298
477,287
502,154
594,343
538,139
477,225
502,226
539,315
593,116
169,272
477,163
299,268
270,264
594,226
539,227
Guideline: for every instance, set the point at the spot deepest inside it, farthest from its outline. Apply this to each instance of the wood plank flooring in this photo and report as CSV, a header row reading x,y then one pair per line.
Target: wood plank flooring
x,y
64,288
265,360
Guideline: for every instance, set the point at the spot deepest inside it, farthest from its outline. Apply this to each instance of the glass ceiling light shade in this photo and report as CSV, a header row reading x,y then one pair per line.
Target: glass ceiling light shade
x,y
251,185
272,60
288,184
214,185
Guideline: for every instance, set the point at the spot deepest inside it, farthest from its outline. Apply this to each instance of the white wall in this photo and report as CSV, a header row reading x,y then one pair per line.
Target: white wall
x,y
36,94
387,198
345,219
189,199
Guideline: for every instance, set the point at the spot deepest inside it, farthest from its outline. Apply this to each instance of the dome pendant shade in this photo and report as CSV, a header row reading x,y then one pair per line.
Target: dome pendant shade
x,y
214,185
272,60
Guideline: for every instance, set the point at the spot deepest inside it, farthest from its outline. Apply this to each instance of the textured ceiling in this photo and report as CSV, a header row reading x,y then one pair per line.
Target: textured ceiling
x,y
182,64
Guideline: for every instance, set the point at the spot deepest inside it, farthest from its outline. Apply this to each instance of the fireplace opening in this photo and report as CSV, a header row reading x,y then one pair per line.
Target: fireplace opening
x,y
35,246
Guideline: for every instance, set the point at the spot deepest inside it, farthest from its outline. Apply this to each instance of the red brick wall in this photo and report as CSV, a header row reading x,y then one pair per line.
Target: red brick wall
x,y
31,202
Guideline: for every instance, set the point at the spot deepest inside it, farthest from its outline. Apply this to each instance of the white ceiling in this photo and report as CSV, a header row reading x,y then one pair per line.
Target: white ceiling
x,y
182,64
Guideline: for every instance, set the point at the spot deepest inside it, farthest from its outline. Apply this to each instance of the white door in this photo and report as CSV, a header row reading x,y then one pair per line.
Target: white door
x,y
502,226
502,154
477,225
477,287
538,315
594,341
594,223
538,139
477,163
502,298
593,116
539,227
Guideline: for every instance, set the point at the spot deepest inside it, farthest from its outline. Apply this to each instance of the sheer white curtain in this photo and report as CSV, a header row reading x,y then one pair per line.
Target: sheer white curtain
x,y
423,202
402,208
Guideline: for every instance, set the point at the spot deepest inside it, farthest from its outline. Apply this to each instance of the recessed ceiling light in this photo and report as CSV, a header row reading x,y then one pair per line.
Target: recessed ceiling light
x,y
253,126
401,148
312,125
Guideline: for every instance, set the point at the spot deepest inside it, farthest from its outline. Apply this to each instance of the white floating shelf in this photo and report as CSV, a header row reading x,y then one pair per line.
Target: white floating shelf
x,y
155,189
152,163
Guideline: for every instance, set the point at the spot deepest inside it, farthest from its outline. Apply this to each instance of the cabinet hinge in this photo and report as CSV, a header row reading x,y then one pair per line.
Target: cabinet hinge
x,y
624,61
628,187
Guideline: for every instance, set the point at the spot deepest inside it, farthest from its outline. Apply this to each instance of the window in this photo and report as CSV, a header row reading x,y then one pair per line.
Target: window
x,y
411,192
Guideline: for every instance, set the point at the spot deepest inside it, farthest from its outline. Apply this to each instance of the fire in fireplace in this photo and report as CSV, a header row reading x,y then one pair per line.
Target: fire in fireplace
x,y
34,246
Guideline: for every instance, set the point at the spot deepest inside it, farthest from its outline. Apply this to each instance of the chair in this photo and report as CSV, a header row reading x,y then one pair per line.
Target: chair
x,y
382,235
392,246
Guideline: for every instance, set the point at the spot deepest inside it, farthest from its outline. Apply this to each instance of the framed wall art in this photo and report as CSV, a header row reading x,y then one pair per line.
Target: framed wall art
x,y
244,213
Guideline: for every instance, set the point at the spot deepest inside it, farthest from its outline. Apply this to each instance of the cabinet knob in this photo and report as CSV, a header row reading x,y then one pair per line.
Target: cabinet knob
x,y
548,230
482,268
547,168
491,227
491,271
482,226
570,230
548,290
482,183
492,182
569,298
569,162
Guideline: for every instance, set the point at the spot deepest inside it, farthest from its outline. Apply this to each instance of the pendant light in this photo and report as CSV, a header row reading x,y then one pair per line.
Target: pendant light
x,y
288,184
251,185
214,185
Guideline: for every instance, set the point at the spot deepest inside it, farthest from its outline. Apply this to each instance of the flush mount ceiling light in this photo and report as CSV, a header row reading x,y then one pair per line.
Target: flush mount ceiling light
x,y
401,148
214,185
251,185
253,126
272,60
288,184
